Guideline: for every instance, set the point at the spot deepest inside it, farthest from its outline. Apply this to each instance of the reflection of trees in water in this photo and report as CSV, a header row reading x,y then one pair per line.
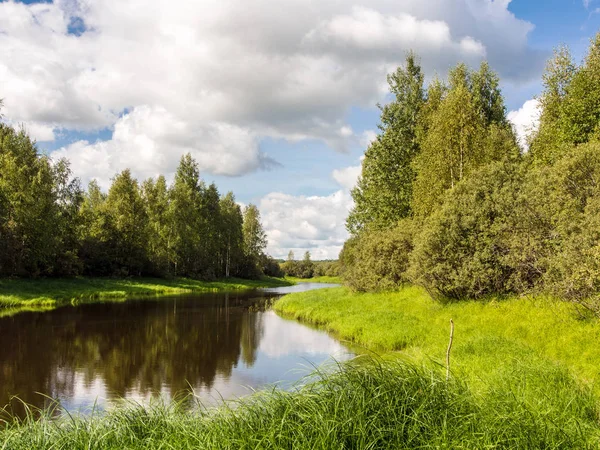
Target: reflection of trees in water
x,y
141,346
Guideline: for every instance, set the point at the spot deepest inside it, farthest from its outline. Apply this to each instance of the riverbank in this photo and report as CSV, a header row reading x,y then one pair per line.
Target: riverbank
x,y
50,292
323,279
494,341
370,404
503,392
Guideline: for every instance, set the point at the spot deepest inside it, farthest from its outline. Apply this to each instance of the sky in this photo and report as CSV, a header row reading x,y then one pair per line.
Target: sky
x,y
275,99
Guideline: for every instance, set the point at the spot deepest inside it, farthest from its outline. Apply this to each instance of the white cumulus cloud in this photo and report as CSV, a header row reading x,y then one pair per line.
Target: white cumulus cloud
x,y
301,223
227,73
309,223
151,140
525,120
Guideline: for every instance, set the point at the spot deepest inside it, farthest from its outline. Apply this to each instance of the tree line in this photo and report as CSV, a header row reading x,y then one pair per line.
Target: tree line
x,y
449,200
50,226
306,268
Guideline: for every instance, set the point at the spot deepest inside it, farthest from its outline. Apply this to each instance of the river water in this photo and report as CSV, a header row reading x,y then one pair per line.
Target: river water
x,y
219,345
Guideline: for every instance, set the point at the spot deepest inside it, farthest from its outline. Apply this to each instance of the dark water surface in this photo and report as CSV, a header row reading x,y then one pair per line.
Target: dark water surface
x,y
218,344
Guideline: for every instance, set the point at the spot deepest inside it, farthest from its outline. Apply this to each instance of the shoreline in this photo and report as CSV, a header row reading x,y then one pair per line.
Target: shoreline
x,y
50,293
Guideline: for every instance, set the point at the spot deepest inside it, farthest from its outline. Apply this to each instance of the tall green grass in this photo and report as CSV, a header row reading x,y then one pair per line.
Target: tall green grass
x,y
492,338
370,404
50,292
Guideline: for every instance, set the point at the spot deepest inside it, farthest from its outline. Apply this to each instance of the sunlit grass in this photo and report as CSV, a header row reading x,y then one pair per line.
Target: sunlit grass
x,y
50,292
492,338
323,279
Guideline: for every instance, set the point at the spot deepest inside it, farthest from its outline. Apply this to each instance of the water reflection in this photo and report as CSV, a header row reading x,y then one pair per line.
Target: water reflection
x,y
218,344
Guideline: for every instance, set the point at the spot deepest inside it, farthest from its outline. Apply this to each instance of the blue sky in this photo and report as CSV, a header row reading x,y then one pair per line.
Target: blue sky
x,y
276,100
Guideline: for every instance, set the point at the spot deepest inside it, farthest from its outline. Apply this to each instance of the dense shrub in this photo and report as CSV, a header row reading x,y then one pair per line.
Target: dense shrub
x,y
378,259
461,250
574,270
327,269
271,267
513,228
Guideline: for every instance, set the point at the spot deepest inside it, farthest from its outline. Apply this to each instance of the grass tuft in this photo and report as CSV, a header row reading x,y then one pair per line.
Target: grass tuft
x,y
370,404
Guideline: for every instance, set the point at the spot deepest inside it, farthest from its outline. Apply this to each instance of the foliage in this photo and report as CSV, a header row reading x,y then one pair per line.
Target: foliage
x,y
466,128
384,190
370,404
50,227
378,259
38,210
299,269
461,251
488,219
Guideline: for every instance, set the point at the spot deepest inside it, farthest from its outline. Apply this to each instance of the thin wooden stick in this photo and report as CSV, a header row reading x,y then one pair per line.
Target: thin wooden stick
x,y
449,348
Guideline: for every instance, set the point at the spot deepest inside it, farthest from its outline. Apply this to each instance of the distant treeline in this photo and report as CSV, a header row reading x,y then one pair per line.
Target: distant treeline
x,y
50,227
448,200
309,269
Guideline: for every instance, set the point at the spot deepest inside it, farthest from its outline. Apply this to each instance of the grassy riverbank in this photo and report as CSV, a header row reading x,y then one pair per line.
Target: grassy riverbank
x,y
49,292
323,279
369,405
498,341
523,377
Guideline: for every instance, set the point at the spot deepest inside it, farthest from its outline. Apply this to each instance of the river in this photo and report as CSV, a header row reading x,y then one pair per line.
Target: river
x,y
221,345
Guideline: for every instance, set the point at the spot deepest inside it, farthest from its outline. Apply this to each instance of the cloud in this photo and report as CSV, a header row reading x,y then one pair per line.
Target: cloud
x,y
388,36
230,71
525,120
313,223
300,223
151,140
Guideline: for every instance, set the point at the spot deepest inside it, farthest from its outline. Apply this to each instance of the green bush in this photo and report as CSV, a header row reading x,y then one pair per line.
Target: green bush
x,y
378,259
461,250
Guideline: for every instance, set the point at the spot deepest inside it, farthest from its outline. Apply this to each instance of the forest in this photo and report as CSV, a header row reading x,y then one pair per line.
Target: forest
x,y
450,200
50,226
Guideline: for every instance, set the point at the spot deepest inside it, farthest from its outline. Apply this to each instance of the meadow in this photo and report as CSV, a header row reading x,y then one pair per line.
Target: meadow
x,y
494,340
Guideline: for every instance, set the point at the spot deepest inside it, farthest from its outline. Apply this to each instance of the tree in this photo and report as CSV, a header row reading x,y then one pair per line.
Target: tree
x,y
155,195
37,199
92,236
466,130
210,220
126,225
255,239
307,266
549,141
450,148
186,222
232,240
384,190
